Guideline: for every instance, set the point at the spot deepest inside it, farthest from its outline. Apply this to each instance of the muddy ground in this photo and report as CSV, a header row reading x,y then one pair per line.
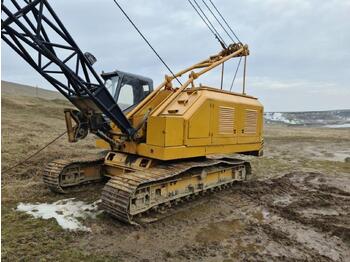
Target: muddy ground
x,y
295,207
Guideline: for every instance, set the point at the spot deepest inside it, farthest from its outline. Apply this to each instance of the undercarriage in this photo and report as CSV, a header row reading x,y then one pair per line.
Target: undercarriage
x,y
138,185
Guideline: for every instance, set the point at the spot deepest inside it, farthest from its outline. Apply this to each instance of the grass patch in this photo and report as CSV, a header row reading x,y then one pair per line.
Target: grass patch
x,y
28,239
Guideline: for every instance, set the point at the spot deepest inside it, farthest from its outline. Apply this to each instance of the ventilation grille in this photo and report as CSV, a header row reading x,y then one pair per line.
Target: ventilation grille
x,y
250,123
226,120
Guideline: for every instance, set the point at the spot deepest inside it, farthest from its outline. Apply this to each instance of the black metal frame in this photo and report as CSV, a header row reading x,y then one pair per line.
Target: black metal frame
x,y
25,30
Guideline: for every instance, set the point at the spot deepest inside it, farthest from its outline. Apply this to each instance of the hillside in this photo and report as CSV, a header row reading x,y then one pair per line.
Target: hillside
x,y
9,88
332,118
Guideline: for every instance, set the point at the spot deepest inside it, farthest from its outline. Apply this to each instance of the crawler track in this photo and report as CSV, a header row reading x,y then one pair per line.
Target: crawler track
x,y
130,195
62,175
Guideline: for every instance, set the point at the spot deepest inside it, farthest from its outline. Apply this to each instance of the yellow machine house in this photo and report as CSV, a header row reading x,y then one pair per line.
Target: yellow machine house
x,y
203,121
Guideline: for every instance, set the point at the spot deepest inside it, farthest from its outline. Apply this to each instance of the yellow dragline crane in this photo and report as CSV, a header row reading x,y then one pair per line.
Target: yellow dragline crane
x,y
166,144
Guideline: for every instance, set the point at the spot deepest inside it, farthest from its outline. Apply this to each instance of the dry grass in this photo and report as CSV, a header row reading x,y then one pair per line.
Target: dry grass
x,y
13,89
28,123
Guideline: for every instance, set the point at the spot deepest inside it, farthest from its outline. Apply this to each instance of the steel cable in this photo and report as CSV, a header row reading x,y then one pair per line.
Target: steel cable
x,y
217,20
34,154
148,43
203,20
225,21
208,20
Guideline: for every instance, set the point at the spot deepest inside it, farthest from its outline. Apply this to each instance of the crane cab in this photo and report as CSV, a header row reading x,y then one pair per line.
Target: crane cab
x,y
127,89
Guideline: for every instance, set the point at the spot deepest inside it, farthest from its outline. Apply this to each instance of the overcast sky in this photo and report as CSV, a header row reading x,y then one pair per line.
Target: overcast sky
x,y
300,49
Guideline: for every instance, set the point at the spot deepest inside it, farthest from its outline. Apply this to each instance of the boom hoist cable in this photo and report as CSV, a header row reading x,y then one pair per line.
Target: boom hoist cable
x,y
217,20
206,17
148,43
235,35
207,22
212,28
217,10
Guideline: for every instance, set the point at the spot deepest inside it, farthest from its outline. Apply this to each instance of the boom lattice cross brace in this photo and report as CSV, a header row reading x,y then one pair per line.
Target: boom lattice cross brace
x,y
34,31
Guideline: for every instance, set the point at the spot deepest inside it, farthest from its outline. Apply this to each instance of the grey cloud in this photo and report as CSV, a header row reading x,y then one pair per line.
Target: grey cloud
x,y
303,42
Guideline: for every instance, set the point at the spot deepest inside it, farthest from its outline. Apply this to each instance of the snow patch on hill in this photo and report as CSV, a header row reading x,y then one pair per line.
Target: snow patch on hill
x,y
279,117
339,126
330,119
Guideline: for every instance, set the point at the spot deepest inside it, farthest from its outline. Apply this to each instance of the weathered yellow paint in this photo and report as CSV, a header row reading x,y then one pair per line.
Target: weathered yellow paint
x,y
150,105
179,152
214,122
174,131
169,153
167,131
100,143
157,137
198,126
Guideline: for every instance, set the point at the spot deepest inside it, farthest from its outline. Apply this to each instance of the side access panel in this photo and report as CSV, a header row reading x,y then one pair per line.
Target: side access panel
x,y
199,125
165,131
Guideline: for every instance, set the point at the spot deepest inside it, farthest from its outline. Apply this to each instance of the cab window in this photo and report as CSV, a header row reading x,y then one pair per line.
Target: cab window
x,y
126,96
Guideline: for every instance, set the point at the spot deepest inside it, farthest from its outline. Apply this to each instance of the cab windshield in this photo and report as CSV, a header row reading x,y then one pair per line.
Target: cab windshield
x,y
112,84
127,91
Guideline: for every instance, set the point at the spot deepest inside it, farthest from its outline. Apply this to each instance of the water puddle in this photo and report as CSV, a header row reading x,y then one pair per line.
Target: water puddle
x,y
67,212
219,231
283,201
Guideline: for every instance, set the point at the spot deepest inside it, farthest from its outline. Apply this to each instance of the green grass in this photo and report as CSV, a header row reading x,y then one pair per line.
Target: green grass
x,y
28,239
